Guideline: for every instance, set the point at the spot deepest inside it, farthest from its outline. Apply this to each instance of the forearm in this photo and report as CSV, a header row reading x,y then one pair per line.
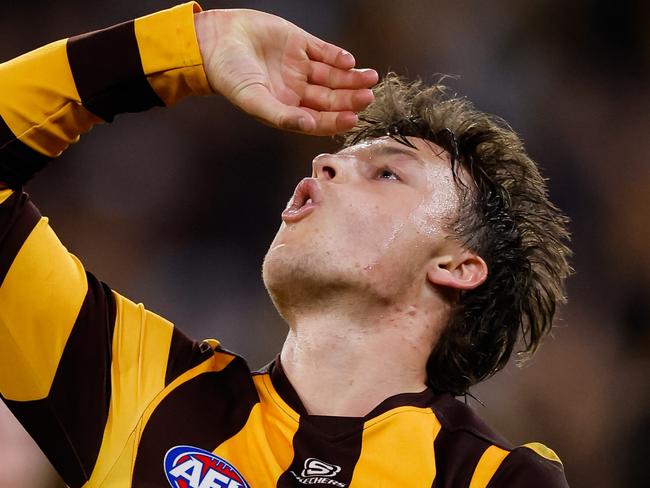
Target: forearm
x,y
52,95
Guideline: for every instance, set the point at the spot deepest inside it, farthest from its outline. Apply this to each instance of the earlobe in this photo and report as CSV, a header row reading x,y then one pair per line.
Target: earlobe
x,y
464,272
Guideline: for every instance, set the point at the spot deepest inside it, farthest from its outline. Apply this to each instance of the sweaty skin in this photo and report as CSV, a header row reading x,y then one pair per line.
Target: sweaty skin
x,y
281,74
359,278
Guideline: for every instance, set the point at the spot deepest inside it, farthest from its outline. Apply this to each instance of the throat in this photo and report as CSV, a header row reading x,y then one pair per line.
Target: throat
x,y
349,373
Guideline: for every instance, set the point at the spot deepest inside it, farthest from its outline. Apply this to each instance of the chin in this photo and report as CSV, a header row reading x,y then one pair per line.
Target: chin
x,y
295,278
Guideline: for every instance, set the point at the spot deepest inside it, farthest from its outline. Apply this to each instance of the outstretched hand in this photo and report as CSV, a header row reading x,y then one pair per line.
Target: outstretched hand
x,y
281,74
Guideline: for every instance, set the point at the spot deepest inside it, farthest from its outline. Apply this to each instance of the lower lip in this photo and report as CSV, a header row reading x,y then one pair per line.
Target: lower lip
x,y
290,216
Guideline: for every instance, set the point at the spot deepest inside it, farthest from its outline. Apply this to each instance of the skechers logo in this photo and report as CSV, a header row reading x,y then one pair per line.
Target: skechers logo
x,y
191,467
316,467
317,472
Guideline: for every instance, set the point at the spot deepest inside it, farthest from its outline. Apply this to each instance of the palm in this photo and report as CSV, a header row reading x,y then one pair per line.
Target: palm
x,y
282,75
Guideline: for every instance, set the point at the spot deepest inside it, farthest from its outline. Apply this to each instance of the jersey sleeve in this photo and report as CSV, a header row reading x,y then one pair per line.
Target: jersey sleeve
x,y
78,362
530,466
50,96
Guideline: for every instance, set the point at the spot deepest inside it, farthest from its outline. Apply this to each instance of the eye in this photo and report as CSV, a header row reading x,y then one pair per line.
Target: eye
x,y
387,174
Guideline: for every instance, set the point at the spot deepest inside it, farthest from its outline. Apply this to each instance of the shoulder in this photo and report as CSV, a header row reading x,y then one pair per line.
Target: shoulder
x,y
470,453
460,420
532,465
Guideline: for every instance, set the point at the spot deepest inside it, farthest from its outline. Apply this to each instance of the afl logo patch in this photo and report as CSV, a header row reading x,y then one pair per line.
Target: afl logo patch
x,y
191,467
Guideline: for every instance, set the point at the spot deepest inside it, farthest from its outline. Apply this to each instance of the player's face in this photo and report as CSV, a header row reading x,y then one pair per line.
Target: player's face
x,y
372,216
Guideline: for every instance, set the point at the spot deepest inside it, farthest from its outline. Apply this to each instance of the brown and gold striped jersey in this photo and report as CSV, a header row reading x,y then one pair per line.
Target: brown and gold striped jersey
x,y
114,394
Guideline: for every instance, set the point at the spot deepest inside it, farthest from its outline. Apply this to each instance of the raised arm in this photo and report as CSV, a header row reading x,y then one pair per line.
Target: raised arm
x,y
265,65
78,362
50,96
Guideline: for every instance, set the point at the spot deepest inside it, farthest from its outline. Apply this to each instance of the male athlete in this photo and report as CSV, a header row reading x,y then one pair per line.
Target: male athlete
x,y
405,267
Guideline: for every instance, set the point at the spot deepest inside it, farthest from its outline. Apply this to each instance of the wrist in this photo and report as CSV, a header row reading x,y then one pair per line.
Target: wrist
x,y
205,25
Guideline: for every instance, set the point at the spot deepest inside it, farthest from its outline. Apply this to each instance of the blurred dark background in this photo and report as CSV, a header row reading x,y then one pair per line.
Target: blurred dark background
x,y
176,208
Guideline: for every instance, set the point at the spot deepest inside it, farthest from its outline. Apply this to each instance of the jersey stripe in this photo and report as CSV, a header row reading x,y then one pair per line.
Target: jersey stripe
x,y
456,455
271,429
139,359
69,423
5,194
221,403
487,466
40,300
18,217
18,162
263,449
184,354
542,450
108,73
398,441
524,467
333,440
6,135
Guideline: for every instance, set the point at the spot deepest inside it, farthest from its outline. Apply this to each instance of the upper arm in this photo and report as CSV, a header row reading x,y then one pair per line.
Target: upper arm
x,y
78,362
52,95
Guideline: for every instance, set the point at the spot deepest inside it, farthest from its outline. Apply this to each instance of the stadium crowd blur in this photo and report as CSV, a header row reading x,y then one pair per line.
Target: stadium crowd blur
x,y
176,208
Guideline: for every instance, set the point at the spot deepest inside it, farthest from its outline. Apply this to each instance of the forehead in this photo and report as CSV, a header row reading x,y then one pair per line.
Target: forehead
x,y
427,152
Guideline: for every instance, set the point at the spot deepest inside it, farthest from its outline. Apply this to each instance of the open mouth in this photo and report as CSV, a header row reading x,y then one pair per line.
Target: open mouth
x,y
305,198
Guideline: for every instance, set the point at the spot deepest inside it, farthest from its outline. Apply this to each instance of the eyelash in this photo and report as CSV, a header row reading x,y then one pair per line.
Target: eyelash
x,y
383,171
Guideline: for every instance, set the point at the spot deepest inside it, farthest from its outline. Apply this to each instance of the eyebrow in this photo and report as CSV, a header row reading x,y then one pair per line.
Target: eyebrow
x,y
397,150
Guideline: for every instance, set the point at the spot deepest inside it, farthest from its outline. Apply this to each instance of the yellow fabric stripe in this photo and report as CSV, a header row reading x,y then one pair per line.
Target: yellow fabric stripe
x,y
118,471
39,302
267,393
4,194
542,450
271,433
40,102
487,466
141,342
170,53
398,441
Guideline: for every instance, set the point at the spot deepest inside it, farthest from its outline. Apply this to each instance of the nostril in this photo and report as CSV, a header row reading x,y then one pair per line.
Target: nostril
x,y
329,172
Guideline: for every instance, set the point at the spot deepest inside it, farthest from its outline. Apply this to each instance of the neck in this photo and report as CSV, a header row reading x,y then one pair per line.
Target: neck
x,y
344,363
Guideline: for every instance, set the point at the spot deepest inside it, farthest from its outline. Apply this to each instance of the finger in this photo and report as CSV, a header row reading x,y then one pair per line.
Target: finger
x,y
322,98
331,123
326,75
258,102
319,50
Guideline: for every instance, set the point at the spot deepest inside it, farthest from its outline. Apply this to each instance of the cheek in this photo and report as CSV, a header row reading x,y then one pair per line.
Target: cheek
x,y
435,210
371,226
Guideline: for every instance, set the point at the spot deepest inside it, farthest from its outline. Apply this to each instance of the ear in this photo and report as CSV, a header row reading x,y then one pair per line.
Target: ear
x,y
463,271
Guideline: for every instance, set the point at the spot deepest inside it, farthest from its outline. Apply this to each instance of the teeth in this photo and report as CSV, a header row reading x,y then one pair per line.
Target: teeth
x,y
308,201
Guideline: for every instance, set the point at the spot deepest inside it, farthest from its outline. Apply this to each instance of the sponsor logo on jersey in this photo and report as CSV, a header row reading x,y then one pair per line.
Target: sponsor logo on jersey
x,y
191,467
317,472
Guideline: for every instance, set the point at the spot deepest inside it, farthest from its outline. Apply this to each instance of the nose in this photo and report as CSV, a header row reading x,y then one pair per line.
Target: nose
x,y
327,167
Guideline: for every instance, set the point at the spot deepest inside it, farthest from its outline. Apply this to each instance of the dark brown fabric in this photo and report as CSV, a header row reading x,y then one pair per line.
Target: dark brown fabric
x,y
69,423
455,415
184,354
18,161
457,454
202,412
284,387
108,73
524,468
333,440
18,217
